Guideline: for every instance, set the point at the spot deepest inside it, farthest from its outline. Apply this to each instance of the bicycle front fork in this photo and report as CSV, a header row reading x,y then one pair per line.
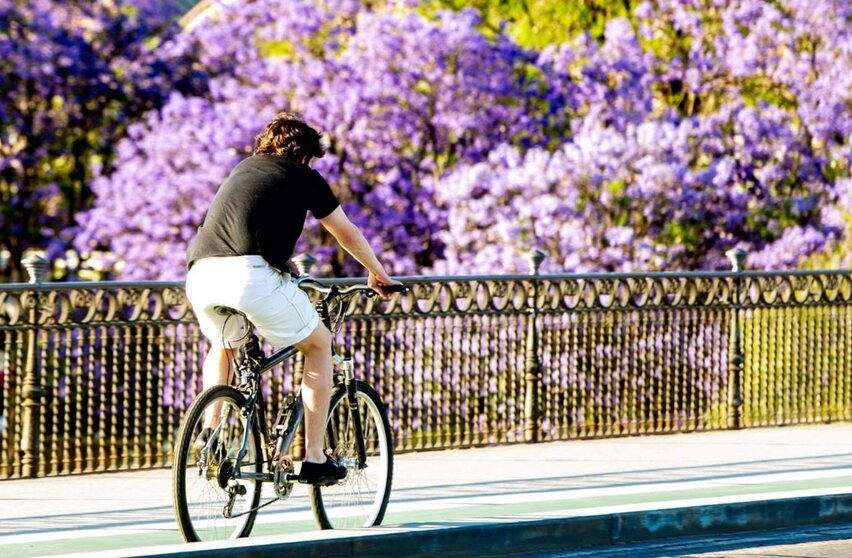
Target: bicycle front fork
x,y
347,369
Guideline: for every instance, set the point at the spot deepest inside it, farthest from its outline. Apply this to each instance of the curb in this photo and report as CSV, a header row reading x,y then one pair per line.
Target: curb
x,y
524,535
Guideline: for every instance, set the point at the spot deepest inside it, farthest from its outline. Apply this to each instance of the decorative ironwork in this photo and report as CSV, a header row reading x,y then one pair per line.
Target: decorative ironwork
x,y
85,304
461,361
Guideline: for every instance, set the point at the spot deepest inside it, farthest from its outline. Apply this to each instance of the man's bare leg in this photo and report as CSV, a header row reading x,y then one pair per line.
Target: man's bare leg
x,y
316,390
215,371
217,366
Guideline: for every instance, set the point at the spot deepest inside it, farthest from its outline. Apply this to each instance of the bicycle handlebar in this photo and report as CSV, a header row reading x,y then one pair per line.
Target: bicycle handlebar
x,y
314,285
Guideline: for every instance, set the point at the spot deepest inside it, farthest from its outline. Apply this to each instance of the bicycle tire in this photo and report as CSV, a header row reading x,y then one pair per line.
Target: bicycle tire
x,y
361,499
203,521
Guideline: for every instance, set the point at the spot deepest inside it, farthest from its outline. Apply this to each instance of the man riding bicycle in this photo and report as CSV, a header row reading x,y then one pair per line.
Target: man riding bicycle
x,y
239,259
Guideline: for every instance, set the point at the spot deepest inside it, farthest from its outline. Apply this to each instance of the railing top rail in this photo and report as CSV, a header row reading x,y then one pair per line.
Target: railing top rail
x,y
18,287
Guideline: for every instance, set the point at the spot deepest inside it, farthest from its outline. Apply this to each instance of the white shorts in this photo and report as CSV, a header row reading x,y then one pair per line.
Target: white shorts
x,y
281,311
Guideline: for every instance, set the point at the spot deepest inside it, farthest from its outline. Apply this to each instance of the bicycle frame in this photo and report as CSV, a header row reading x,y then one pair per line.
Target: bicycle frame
x,y
255,408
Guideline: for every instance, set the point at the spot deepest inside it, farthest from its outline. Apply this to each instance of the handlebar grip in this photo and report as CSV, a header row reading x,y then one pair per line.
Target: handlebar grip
x,y
394,289
389,289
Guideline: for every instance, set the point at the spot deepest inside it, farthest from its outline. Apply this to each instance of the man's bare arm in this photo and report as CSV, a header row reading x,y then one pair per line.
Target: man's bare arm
x,y
353,241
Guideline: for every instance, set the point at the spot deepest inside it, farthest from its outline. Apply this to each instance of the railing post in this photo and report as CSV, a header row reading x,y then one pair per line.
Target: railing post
x,y
304,263
737,257
532,405
32,388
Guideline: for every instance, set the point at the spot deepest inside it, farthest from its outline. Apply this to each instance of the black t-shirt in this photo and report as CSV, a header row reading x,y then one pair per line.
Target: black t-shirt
x,y
260,210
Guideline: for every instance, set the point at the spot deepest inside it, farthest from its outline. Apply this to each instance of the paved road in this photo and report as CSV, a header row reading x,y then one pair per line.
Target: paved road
x,y
450,488
834,541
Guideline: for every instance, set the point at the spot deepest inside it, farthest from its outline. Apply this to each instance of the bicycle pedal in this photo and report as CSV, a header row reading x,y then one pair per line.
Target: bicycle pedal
x,y
292,477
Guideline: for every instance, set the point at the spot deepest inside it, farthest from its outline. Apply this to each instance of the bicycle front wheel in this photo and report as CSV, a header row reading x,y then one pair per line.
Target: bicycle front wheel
x,y
359,500
211,504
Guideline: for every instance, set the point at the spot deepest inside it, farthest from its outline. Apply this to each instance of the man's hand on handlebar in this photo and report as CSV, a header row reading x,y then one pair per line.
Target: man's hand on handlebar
x,y
384,285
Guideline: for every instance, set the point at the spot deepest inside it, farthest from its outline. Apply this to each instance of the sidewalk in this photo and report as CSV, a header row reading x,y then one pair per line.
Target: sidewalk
x,y
495,486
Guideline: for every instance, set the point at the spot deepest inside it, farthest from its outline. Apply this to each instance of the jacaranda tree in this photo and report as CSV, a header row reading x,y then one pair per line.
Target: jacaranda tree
x,y
686,128
72,75
396,115
686,141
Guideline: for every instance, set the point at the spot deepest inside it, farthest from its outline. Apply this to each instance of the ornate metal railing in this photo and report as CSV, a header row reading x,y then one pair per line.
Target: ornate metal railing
x,y
95,376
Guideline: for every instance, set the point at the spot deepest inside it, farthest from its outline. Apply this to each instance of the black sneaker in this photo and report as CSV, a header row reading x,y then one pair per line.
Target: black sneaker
x,y
324,474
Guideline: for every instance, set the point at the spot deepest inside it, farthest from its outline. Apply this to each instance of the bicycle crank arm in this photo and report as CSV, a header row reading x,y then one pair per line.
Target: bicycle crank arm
x,y
263,477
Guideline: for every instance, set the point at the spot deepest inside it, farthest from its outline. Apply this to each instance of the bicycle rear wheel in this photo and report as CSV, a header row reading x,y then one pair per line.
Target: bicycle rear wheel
x,y
205,464
359,500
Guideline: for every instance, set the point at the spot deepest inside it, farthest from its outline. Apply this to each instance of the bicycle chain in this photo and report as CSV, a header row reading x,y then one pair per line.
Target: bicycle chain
x,y
254,509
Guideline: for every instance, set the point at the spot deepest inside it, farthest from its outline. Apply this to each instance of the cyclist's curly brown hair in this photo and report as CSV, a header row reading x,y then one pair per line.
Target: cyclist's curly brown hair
x,y
287,135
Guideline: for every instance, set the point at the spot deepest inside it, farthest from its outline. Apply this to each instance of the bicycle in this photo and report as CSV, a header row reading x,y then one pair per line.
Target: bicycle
x,y
218,474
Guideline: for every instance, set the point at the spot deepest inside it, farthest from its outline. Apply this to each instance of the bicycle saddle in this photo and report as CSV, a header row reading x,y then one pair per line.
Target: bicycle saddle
x,y
228,311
